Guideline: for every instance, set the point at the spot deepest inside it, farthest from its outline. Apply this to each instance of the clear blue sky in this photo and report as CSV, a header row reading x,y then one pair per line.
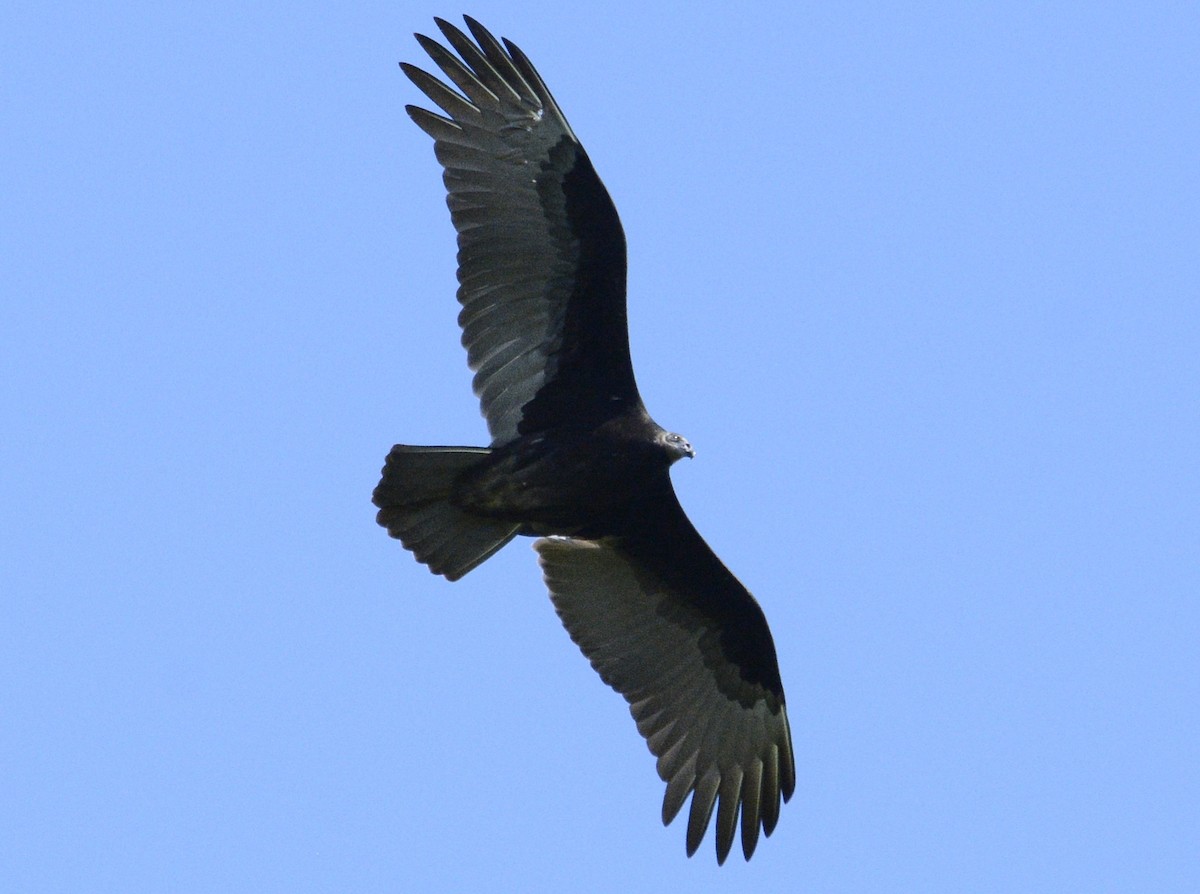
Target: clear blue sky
x,y
921,283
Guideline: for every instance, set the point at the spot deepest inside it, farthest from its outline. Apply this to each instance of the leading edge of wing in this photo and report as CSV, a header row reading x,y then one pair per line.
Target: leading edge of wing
x,y
541,252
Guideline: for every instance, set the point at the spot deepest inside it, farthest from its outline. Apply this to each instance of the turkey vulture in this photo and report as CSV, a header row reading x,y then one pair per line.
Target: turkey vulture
x,y
575,459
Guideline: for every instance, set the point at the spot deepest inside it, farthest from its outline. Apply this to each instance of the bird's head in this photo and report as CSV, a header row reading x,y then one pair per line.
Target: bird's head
x,y
675,446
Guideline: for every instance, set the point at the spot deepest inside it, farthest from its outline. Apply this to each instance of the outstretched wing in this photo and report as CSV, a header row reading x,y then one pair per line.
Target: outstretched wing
x,y
541,252
671,629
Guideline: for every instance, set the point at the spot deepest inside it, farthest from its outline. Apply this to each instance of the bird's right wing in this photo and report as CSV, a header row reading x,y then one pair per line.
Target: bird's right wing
x,y
541,252
689,649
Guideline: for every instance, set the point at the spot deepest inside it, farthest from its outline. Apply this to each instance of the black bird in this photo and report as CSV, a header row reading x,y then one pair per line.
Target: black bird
x,y
575,459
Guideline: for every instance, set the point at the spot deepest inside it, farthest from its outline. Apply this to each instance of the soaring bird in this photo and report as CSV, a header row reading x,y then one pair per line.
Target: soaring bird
x,y
575,459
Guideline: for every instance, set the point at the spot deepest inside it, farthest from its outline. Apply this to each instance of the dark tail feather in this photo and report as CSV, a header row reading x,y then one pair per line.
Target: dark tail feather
x,y
414,507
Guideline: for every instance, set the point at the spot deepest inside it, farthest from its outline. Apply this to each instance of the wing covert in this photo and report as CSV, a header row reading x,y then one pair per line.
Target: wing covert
x,y
541,252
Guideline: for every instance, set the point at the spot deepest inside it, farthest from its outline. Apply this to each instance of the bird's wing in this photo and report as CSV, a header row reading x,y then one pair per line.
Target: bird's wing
x,y
541,252
670,628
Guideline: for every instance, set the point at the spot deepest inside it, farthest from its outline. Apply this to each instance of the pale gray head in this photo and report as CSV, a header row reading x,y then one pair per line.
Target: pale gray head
x,y
675,446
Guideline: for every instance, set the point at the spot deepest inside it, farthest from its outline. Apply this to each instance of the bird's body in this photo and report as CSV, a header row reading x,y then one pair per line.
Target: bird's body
x,y
568,483
575,458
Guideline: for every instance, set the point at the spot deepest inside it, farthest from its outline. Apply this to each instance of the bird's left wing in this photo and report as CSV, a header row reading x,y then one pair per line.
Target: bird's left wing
x,y
666,625
541,252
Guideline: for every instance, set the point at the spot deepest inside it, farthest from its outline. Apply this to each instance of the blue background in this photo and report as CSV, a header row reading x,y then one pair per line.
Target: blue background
x,y
919,281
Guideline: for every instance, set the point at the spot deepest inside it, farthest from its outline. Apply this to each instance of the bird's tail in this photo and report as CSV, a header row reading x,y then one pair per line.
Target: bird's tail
x,y
414,506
